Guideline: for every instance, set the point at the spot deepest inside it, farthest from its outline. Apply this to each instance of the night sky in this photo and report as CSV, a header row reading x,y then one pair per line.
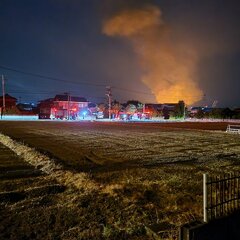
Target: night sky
x,y
146,50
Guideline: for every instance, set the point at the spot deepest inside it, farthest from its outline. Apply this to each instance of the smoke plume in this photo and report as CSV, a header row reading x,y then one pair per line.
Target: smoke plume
x,y
168,66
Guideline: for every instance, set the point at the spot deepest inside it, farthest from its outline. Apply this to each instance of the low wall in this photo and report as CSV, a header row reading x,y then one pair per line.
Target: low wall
x,y
19,117
226,228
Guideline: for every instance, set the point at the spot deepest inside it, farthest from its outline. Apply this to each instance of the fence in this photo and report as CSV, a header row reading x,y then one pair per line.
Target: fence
x,y
233,129
221,195
221,215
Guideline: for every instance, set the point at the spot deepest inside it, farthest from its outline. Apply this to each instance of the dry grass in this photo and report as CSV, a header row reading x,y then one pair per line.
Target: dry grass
x,y
31,156
47,165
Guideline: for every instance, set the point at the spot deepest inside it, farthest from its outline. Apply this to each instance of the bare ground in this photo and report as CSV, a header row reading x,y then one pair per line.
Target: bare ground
x,y
115,177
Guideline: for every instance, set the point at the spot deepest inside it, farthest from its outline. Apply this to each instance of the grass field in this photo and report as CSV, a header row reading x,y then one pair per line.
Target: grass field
x,y
113,179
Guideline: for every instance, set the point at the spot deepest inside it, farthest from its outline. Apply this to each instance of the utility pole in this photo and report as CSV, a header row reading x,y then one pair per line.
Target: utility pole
x,y
184,111
109,95
3,96
68,104
3,90
68,107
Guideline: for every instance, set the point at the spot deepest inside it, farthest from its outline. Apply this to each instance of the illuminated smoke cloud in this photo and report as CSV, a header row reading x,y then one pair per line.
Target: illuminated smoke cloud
x,y
168,66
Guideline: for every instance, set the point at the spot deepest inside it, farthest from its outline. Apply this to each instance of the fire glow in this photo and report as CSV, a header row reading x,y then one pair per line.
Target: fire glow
x,y
168,67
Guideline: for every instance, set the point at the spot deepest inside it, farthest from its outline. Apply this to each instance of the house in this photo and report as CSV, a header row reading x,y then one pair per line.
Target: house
x,y
10,102
8,105
62,107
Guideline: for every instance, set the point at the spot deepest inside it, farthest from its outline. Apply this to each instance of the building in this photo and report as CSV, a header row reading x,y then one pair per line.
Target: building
x,y
10,102
166,109
63,107
8,105
26,107
44,108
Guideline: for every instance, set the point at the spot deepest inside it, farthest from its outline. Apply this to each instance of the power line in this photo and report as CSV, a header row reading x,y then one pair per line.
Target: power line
x,y
125,89
42,92
84,83
77,92
68,81
49,77
50,93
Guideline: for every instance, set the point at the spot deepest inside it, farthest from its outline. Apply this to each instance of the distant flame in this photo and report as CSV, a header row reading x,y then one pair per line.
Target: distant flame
x,y
168,68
